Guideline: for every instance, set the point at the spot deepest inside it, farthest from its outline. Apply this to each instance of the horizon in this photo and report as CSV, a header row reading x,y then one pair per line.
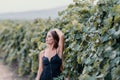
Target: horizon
x,y
31,15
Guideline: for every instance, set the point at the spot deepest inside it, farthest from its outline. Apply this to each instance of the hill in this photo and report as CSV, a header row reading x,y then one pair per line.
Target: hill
x,y
29,15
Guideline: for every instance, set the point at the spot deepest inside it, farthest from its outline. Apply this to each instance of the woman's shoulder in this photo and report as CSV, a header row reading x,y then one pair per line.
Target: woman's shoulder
x,y
41,53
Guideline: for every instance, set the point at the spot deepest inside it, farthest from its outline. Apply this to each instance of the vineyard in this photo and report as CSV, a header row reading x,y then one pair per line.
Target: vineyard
x,y
92,41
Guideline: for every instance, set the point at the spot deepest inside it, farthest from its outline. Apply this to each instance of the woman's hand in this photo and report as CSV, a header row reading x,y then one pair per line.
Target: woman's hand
x,y
59,32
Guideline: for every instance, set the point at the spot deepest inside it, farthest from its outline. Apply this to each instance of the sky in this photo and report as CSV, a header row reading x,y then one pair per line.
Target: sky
x,y
7,6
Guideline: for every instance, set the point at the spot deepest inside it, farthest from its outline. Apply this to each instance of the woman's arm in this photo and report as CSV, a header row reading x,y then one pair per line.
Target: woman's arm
x,y
61,40
61,45
61,48
40,69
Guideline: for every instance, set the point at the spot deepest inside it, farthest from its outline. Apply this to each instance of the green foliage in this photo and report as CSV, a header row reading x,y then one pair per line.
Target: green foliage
x,y
22,42
92,41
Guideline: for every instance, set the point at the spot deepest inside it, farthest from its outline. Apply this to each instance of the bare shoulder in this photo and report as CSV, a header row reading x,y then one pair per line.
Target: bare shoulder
x,y
41,53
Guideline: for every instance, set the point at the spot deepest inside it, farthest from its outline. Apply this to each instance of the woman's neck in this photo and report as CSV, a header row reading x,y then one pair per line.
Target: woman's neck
x,y
50,47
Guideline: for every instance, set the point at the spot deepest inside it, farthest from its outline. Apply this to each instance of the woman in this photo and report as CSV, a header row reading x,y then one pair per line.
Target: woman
x,y
50,59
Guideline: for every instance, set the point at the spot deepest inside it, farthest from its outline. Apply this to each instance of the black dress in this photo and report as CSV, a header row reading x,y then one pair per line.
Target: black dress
x,y
51,69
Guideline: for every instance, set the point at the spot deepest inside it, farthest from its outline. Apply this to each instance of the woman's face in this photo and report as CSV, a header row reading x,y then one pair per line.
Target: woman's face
x,y
49,38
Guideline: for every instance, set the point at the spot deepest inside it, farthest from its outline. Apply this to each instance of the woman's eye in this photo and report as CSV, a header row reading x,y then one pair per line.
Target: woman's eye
x,y
49,36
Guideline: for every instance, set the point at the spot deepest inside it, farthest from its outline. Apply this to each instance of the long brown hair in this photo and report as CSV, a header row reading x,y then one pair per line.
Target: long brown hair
x,y
56,38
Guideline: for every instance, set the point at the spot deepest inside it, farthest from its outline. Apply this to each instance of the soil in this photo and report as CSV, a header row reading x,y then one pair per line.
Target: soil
x,y
8,73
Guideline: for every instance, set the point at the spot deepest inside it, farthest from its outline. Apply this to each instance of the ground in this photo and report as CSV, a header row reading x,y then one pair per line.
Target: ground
x,y
5,73
8,73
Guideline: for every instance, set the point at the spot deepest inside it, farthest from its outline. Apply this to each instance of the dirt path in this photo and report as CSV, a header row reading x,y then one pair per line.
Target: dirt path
x,y
5,73
8,73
